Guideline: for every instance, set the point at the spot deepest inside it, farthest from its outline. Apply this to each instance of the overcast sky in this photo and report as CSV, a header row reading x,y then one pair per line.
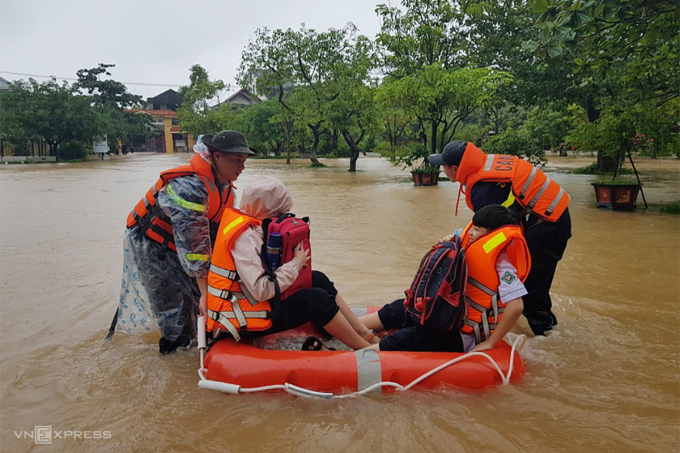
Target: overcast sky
x,y
153,41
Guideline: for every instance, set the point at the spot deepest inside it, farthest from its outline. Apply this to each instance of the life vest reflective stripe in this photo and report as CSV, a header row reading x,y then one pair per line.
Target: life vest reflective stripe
x,y
231,275
231,307
531,188
155,224
485,309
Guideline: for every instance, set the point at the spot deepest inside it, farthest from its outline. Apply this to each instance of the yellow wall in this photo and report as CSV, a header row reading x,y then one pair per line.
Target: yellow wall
x,y
169,143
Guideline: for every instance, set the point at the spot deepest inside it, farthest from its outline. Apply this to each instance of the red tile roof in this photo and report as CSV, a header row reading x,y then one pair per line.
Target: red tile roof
x,y
155,112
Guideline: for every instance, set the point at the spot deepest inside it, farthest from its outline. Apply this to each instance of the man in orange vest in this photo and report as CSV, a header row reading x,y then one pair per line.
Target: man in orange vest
x,y
169,238
541,204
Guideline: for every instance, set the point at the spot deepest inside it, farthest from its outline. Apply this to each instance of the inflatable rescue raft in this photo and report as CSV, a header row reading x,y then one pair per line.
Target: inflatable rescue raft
x,y
251,366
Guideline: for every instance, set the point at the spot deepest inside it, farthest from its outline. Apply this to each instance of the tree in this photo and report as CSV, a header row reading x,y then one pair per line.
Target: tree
x,y
306,70
427,33
627,48
49,111
262,126
115,102
439,98
265,69
200,112
636,40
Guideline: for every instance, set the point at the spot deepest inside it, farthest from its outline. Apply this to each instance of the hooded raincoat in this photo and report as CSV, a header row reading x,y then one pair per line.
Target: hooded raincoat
x,y
159,287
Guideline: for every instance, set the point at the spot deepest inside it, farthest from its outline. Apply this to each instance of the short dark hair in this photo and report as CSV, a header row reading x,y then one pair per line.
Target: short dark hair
x,y
494,216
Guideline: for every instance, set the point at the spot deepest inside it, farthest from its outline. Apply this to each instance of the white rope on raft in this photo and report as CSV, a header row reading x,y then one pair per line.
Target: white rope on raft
x,y
517,345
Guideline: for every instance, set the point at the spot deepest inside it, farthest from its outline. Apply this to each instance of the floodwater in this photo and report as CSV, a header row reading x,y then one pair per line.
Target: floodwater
x,y
607,379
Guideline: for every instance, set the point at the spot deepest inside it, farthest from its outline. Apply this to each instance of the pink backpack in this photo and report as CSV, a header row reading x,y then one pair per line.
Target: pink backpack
x,y
280,250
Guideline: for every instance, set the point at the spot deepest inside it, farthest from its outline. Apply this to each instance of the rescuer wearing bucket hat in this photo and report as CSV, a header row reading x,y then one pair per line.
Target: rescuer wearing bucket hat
x,y
169,238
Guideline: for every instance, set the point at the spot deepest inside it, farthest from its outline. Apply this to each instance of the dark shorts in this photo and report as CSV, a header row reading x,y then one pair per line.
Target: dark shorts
x,y
412,336
315,304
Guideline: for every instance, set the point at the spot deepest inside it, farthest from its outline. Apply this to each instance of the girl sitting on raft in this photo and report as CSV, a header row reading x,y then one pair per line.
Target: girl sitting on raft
x,y
238,280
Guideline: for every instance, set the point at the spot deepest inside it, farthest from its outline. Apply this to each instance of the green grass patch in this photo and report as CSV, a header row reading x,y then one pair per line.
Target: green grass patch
x,y
671,208
593,170
272,156
319,165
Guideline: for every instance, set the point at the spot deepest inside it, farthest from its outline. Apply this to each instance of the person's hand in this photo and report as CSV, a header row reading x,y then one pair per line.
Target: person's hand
x,y
301,254
447,238
483,346
203,307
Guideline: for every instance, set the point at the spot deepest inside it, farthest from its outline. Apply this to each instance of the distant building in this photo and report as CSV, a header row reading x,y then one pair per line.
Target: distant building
x,y
4,84
163,111
241,97
167,100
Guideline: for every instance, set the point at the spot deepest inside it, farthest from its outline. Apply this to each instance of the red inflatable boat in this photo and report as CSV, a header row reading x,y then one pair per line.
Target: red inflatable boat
x,y
248,366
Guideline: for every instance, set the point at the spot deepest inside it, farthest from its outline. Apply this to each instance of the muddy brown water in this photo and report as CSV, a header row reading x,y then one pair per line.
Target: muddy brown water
x,y
607,379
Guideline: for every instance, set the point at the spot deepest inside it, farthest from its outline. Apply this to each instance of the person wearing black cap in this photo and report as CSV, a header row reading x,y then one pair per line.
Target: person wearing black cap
x,y
541,204
169,237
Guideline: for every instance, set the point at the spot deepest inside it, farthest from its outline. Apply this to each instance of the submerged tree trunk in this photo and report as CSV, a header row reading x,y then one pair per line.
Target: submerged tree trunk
x,y
287,130
316,135
433,142
353,149
607,163
277,148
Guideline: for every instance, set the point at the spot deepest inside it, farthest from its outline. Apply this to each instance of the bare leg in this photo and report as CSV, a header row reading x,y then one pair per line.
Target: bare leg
x,y
372,321
341,329
359,327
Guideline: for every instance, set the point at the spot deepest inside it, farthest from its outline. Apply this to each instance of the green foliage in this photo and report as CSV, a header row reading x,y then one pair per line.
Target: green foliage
x,y
420,33
610,136
73,151
635,41
51,112
671,208
517,142
549,124
435,97
411,155
262,126
593,169
113,101
471,133
196,115
320,81
623,127
654,126
106,92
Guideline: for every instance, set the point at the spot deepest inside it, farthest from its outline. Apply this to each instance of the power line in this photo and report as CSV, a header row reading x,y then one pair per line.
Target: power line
x,y
73,78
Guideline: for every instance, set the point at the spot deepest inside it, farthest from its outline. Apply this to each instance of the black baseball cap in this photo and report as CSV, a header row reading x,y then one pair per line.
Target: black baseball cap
x,y
452,154
228,142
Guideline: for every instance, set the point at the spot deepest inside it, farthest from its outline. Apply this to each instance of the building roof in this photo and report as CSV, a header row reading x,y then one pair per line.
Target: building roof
x,y
242,92
170,98
153,112
4,83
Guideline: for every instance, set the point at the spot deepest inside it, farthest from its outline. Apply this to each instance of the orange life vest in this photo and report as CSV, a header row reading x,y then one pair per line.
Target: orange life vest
x,y
481,292
156,226
531,188
230,306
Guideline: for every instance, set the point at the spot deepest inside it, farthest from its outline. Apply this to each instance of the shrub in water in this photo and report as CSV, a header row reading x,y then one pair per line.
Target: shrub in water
x,y
72,151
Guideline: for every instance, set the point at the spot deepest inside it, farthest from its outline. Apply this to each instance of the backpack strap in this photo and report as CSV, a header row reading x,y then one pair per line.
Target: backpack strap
x,y
270,275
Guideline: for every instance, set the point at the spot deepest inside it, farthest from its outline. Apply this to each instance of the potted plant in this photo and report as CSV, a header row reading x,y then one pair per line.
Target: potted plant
x,y
620,194
613,136
414,156
425,175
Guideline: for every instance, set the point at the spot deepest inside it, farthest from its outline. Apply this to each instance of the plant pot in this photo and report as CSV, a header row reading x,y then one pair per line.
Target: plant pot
x,y
616,196
425,179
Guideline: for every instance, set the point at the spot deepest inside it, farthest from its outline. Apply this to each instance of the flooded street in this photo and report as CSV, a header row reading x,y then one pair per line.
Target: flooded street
x,y
607,379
